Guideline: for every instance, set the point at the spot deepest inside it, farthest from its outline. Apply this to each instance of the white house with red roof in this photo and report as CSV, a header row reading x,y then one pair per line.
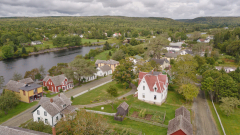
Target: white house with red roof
x,y
152,87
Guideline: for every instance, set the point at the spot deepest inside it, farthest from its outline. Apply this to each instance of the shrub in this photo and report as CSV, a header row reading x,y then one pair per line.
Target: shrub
x,y
47,46
45,88
72,98
38,126
61,90
144,113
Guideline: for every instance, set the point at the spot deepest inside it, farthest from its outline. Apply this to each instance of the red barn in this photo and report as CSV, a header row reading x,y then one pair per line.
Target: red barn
x,y
55,83
181,124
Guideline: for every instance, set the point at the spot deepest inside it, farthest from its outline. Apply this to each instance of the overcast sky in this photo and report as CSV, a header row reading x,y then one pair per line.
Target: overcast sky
x,y
176,9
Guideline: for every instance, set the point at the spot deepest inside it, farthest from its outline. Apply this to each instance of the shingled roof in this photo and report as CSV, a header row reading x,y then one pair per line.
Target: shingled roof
x,y
26,80
30,87
57,105
57,80
5,130
123,105
180,123
184,112
105,68
171,55
14,85
107,61
160,61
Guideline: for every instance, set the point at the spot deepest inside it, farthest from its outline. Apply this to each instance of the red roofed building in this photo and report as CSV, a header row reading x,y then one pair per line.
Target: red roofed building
x,y
152,87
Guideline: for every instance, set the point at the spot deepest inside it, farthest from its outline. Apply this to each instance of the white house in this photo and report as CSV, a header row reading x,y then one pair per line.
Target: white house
x,y
169,39
81,36
89,78
104,70
36,43
117,35
152,87
226,69
163,63
51,110
184,52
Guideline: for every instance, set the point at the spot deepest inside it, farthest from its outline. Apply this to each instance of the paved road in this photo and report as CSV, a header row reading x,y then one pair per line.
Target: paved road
x,y
134,89
203,122
27,115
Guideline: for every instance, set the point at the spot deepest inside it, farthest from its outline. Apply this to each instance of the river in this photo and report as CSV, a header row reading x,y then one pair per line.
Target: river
x,y
48,60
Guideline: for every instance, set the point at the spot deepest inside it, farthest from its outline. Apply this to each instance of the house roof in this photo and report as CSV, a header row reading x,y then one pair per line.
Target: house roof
x,y
30,86
14,85
201,40
5,130
123,105
180,123
107,61
57,80
68,110
105,68
161,61
36,41
57,105
137,57
179,44
26,80
184,112
154,79
219,68
171,55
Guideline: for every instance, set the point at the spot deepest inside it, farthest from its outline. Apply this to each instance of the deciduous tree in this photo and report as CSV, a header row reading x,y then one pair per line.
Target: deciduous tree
x,y
207,85
156,47
189,91
8,101
32,74
118,55
17,76
7,51
1,82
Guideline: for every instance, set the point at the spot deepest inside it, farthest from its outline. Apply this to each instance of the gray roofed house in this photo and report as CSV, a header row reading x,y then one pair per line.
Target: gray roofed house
x,y
14,85
5,130
184,112
180,124
105,68
32,86
59,105
26,80
177,44
161,61
171,55
107,61
137,57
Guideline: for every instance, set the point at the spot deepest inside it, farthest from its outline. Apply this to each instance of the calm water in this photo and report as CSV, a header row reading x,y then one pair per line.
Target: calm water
x,y
21,65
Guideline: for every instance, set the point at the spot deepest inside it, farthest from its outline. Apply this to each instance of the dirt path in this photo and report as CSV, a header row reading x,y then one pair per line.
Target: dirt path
x,y
203,123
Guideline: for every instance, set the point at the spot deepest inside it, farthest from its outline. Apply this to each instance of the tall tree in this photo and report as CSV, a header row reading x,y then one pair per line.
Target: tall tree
x,y
123,73
42,71
156,47
57,70
33,74
83,122
7,51
207,85
1,82
189,91
8,101
17,76
113,92
24,50
228,105
118,55
79,68
106,46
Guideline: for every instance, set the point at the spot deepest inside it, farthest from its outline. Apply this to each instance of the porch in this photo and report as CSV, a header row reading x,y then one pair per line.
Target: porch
x,y
35,97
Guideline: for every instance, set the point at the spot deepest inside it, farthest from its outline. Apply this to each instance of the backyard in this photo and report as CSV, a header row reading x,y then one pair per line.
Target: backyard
x,y
15,111
103,55
99,94
230,123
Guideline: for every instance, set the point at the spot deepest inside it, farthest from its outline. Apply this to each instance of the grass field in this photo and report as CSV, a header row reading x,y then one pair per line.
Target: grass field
x,y
230,123
18,109
98,94
137,126
84,40
102,55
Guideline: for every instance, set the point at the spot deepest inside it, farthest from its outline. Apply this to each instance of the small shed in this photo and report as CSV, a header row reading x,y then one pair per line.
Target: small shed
x,y
123,109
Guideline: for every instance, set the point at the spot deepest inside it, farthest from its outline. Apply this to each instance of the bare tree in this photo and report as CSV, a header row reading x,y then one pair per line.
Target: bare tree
x,y
17,76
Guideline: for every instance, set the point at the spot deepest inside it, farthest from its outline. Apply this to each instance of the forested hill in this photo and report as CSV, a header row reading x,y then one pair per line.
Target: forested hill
x,y
114,23
214,21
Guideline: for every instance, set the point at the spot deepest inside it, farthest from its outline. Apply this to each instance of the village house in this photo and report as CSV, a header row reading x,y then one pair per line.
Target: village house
x,y
163,63
116,34
36,43
81,36
55,83
89,78
184,52
152,87
181,124
26,89
169,56
112,63
226,69
104,70
51,110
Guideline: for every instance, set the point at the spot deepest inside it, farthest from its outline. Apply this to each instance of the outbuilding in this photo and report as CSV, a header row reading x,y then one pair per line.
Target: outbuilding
x,y
123,109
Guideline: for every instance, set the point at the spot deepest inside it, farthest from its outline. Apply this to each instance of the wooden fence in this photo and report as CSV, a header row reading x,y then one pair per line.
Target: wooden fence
x,y
148,122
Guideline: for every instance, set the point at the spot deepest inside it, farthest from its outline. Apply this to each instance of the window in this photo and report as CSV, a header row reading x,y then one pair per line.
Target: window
x,y
38,119
155,89
143,87
143,81
23,92
155,97
46,121
143,95
35,90
38,112
45,113
57,118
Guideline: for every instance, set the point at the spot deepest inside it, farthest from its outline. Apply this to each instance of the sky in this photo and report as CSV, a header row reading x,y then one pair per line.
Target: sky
x,y
175,9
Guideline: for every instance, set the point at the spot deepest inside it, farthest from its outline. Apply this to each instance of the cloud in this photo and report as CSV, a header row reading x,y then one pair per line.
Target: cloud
x,y
176,9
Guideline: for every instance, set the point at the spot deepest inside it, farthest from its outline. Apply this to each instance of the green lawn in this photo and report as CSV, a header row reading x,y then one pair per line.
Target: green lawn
x,y
177,99
98,94
18,109
170,110
137,126
230,123
102,55
91,40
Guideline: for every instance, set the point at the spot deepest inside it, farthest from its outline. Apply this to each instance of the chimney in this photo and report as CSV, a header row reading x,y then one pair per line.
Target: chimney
x,y
152,72
51,100
59,95
53,131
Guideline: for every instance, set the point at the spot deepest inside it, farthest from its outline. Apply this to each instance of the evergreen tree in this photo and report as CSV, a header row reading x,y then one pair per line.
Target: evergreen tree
x,y
237,58
110,53
24,50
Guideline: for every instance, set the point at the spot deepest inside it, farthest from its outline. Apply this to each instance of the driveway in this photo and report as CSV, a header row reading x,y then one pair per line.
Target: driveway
x,y
203,122
27,115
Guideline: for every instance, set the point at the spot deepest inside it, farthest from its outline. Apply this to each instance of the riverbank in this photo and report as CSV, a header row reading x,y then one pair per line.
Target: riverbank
x,y
52,50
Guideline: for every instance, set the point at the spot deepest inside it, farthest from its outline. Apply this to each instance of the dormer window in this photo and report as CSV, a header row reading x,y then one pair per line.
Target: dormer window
x,y
64,105
143,81
155,89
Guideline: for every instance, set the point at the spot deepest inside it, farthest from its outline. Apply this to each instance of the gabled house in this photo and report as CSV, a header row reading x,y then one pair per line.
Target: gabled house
x,y
111,63
55,83
163,63
27,91
226,69
181,124
171,56
51,110
152,87
104,70
36,43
